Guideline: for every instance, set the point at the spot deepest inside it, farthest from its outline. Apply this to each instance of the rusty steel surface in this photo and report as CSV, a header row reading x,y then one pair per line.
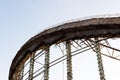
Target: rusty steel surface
x,y
83,29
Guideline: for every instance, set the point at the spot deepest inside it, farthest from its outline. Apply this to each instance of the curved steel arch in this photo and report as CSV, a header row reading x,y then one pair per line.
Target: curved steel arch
x,y
84,29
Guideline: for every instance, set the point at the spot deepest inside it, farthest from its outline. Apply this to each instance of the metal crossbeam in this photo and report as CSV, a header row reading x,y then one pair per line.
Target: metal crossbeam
x,y
110,55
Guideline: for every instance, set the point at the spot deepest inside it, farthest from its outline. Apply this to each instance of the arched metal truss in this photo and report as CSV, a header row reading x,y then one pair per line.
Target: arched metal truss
x,y
34,60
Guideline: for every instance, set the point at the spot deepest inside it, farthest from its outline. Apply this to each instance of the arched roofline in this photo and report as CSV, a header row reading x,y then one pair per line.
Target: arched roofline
x,y
81,29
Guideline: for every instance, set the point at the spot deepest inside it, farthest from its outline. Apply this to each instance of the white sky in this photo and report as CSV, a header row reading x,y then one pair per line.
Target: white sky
x,y
22,19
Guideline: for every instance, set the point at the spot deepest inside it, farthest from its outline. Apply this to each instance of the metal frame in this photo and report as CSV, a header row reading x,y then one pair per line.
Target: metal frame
x,y
81,35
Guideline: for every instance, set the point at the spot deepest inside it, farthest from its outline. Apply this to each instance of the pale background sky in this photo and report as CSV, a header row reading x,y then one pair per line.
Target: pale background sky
x,y
22,19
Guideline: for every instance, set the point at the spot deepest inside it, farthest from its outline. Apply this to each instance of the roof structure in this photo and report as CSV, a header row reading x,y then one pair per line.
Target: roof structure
x,y
81,29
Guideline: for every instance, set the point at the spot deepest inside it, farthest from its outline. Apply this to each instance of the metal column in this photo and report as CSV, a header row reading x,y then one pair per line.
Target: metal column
x,y
14,77
31,67
99,58
46,66
21,72
69,60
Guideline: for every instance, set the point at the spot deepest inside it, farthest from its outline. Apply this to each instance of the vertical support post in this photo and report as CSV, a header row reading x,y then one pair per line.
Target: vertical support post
x,y
69,60
99,58
18,74
46,66
21,71
14,77
31,69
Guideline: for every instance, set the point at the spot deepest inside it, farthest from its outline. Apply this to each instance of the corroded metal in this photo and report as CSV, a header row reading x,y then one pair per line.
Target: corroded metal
x,y
19,74
81,29
99,58
69,60
46,66
14,77
22,72
31,69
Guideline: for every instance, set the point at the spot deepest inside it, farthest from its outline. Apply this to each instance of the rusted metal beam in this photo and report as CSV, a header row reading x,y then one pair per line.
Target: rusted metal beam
x,y
46,66
31,69
69,60
99,58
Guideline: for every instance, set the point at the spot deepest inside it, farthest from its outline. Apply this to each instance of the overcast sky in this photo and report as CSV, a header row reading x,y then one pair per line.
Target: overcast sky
x,y
22,19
